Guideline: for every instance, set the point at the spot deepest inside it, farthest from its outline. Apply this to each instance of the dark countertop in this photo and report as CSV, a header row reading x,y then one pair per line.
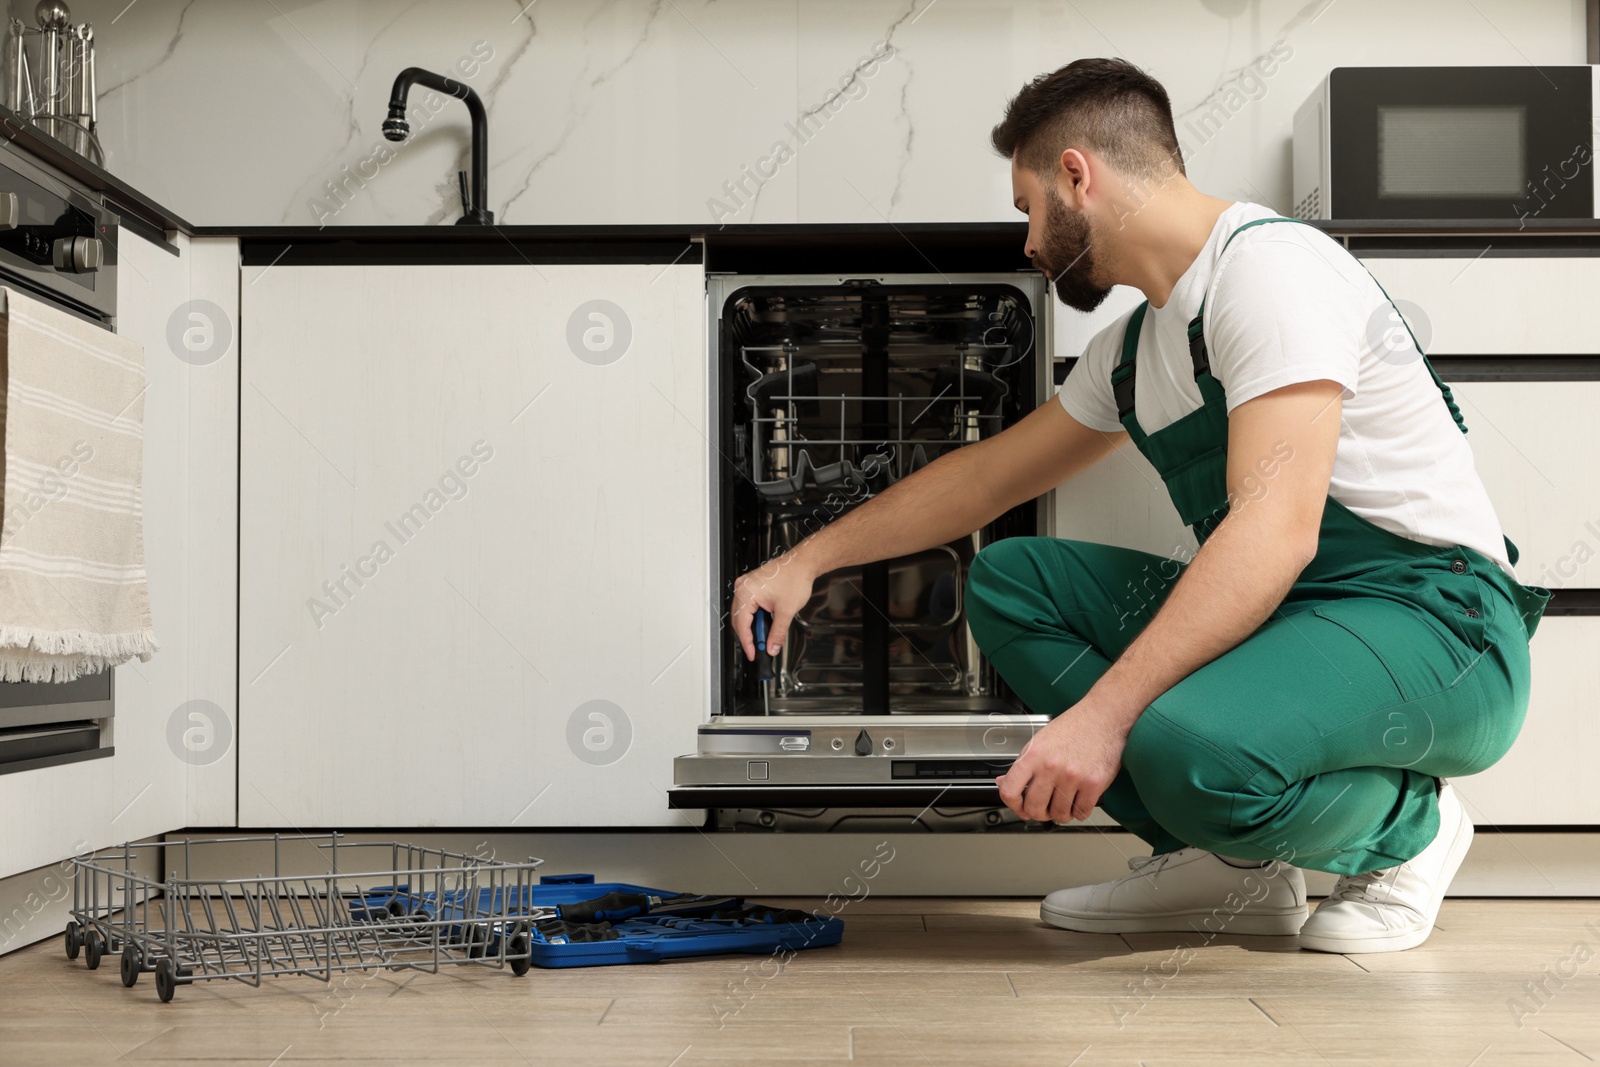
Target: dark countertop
x,y
926,248
914,246
1532,227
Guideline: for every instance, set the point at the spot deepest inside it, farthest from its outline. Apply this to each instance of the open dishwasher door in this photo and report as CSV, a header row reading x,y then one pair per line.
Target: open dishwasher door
x,y
826,390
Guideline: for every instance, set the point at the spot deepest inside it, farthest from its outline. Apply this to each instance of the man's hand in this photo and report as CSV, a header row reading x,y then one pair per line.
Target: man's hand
x,y
782,586
1066,766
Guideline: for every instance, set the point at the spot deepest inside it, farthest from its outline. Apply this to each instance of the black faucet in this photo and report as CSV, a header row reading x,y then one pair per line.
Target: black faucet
x,y
396,128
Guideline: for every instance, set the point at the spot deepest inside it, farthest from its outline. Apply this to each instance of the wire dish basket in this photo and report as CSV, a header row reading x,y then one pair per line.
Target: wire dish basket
x,y
380,905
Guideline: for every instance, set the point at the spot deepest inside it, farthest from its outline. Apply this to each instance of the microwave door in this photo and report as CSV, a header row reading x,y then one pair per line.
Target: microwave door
x,y
1460,142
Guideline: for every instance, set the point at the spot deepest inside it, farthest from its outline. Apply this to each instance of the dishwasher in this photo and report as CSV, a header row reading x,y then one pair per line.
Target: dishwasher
x,y
882,711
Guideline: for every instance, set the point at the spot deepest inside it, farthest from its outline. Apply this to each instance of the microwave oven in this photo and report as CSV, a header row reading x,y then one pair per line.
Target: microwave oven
x,y
1469,143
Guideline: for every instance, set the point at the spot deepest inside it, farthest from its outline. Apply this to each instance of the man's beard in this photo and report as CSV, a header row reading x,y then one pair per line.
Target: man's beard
x,y
1066,256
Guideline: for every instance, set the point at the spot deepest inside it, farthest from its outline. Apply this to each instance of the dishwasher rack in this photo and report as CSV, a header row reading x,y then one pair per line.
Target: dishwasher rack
x,y
420,910
963,404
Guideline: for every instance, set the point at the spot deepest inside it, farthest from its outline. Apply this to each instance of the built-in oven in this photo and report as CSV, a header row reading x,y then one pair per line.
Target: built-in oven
x,y
57,240
57,243
824,391
1470,143
45,723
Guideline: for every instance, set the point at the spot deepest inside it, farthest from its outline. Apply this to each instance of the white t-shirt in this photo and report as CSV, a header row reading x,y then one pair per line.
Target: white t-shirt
x,y
1289,304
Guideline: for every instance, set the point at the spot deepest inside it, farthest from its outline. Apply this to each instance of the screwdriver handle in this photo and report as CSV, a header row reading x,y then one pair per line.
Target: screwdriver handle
x,y
612,907
764,671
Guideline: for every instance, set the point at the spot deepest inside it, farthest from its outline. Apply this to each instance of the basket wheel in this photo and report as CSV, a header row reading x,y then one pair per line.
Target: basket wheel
x,y
132,964
92,948
73,939
166,980
477,941
519,953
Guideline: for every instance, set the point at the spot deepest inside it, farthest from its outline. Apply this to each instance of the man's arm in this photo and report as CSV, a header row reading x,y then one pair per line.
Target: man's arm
x,y
1235,582
954,495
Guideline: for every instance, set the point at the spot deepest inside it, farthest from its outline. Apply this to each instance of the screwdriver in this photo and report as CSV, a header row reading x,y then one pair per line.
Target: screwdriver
x,y
618,906
764,672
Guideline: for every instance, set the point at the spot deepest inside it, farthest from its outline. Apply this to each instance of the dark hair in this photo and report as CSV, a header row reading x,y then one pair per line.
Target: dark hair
x,y
1108,106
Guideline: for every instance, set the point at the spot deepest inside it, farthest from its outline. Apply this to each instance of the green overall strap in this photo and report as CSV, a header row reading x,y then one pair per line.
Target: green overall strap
x,y
1122,376
1196,328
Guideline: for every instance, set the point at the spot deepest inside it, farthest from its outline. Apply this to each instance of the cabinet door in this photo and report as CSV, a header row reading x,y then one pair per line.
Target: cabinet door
x,y
185,310
1533,444
1547,777
1498,306
474,542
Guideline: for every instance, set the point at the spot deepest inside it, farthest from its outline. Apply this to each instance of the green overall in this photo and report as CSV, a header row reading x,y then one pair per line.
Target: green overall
x,y
1318,738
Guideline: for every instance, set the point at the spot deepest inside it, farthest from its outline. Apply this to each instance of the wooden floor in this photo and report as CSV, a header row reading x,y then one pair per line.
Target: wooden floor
x,y
915,982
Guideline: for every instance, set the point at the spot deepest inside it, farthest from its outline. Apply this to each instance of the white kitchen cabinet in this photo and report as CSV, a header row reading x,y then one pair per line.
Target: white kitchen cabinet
x,y
1473,304
1122,501
148,786
475,536
1547,777
1532,443
183,701
1071,330
1498,305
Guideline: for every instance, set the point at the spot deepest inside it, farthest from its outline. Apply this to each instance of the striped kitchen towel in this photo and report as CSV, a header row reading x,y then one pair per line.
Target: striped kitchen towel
x,y
73,598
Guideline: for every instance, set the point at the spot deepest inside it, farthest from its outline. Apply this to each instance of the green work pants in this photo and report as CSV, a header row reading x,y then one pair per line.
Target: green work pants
x,y
1316,740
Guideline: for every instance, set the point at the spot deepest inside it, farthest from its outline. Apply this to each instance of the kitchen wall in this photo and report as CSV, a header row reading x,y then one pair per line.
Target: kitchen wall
x,y
698,111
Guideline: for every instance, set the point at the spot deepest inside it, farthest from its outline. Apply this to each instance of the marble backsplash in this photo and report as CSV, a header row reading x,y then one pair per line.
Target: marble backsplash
x,y
261,112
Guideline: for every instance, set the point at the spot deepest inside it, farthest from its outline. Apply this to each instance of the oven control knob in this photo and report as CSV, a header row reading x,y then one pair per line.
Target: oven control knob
x,y
78,255
863,744
10,211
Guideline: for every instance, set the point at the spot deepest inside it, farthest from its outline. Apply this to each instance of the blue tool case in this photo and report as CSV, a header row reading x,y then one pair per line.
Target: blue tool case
x,y
573,921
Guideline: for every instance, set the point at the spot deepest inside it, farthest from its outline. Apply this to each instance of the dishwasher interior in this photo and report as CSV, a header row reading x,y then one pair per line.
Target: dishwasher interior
x,y
826,391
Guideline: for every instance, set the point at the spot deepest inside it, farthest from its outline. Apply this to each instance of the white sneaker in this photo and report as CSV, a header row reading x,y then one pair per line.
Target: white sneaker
x,y
1393,909
1189,889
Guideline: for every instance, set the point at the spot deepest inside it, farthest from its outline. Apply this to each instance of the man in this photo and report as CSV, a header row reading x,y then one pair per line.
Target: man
x,y
1350,631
